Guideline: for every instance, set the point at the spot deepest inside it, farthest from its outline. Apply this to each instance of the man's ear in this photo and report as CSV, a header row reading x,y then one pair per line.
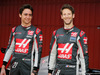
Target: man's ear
x,y
61,17
73,15
20,15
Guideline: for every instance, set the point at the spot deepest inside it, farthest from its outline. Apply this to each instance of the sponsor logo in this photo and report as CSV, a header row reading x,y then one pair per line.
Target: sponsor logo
x,y
60,35
65,56
65,51
30,32
71,29
19,50
82,33
73,34
41,37
22,45
43,61
18,33
28,27
29,36
85,40
37,30
14,64
40,45
26,59
86,51
72,38
71,66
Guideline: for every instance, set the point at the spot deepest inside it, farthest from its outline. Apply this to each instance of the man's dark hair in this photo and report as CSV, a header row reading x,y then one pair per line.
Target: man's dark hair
x,y
67,6
25,6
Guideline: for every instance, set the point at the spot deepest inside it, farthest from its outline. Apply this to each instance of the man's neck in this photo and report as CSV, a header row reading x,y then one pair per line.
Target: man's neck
x,y
26,25
68,26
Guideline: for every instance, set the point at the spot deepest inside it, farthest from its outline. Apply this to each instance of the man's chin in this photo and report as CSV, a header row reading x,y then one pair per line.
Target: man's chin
x,y
67,23
27,22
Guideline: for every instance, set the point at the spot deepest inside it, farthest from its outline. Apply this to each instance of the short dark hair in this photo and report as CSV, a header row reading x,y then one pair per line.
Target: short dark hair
x,y
67,6
25,6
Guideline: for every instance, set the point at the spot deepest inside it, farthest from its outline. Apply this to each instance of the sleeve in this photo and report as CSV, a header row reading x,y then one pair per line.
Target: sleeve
x,y
53,53
9,49
83,51
38,40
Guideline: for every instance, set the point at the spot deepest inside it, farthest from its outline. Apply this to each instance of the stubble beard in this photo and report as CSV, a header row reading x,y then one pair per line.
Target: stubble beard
x,y
69,22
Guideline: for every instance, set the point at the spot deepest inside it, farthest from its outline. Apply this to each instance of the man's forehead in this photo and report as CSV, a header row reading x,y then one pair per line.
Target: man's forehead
x,y
66,11
27,11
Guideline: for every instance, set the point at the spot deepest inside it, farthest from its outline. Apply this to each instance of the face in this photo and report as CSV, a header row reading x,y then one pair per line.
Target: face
x,y
67,16
26,17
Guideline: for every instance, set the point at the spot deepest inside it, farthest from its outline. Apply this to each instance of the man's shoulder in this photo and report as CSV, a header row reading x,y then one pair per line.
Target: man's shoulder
x,y
60,29
76,28
35,27
81,32
14,28
37,30
57,31
79,29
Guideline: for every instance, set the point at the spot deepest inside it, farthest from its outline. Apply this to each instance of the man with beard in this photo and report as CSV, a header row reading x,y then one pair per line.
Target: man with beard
x,y
68,45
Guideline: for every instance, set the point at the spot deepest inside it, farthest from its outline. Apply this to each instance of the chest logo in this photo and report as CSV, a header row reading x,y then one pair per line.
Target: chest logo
x,y
65,51
74,34
30,32
22,45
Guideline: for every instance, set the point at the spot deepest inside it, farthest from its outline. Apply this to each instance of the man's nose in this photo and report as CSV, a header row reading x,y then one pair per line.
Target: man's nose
x,y
66,15
28,16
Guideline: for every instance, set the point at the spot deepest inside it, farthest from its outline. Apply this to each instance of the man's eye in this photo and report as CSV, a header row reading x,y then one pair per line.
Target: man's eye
x,y
64,14
30,14
69,13
25,14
